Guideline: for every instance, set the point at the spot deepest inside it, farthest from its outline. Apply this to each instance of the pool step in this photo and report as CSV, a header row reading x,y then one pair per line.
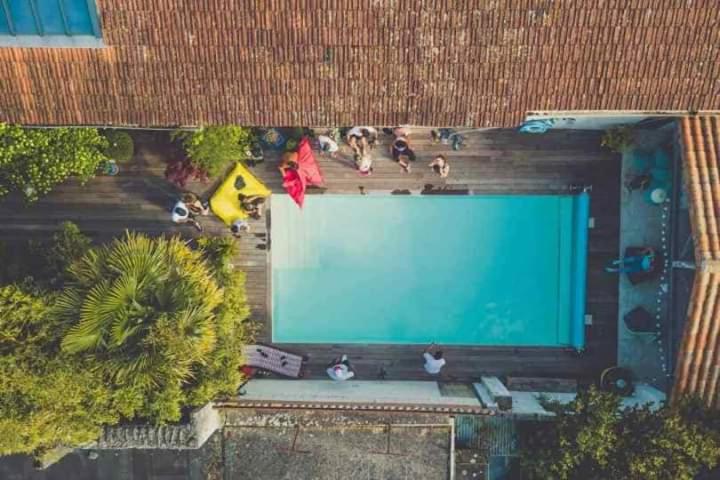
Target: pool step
x,y
493,393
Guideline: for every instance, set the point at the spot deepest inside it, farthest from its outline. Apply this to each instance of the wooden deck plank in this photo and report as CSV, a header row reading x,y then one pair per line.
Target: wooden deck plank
x,y
493,162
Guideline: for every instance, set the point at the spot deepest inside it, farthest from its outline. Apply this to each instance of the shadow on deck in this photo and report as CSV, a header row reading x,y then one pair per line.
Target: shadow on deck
x,y
493,161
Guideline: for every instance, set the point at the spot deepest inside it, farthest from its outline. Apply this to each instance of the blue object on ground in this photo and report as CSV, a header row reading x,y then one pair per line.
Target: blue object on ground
x,y
536,126
631,264
480,270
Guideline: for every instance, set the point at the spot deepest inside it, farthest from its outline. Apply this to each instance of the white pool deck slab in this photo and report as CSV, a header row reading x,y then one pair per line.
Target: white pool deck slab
x,y
365,392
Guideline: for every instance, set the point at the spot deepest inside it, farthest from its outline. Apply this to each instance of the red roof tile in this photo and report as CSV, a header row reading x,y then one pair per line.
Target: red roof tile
x,y
439,62
698,363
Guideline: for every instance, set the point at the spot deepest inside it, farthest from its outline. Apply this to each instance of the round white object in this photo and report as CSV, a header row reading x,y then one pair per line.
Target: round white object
x,y
658,196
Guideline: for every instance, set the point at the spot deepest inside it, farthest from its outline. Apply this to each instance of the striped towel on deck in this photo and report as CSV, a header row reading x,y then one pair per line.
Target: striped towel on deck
x,y
273,360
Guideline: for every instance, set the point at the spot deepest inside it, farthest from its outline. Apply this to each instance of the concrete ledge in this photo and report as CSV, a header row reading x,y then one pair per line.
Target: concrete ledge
x,y
500,395
203,423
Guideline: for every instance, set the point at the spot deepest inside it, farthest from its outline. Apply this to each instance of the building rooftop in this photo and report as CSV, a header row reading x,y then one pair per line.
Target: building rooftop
x,y
385,62
698,364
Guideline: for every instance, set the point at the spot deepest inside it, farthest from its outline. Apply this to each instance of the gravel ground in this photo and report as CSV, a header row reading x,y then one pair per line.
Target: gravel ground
x,y
273,445
331,445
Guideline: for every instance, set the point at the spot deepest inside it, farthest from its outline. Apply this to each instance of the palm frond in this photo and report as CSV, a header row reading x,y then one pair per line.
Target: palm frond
x,y
88,333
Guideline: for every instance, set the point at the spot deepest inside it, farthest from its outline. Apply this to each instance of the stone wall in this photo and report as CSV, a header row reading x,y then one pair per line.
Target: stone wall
x,y
203,423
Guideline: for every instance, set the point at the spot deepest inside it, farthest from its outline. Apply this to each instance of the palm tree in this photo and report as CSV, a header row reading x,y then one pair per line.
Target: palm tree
x,y
142,309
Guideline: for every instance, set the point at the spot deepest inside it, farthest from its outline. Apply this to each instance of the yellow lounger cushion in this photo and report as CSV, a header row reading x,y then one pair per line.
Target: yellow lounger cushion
x,y
225,203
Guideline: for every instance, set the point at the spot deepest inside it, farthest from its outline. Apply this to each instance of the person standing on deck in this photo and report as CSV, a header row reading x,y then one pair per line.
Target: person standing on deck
x,y
340,369
434,360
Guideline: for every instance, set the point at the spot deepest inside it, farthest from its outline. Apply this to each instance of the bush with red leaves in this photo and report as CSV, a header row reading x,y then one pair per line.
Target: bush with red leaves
x,y
179,171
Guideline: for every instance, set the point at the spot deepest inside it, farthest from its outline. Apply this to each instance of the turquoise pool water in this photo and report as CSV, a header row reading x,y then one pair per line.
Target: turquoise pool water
x,y
480,270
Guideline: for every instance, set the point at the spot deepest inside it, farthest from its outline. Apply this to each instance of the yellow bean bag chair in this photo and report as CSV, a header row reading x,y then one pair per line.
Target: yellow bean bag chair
x,y
225,203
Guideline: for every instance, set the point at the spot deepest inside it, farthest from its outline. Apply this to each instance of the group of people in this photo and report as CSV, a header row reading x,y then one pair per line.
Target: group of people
x,y
340,369
189,206
363,140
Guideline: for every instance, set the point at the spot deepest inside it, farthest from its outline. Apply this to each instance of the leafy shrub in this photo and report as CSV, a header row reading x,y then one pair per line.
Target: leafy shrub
x,y
120,145
150,314
593,438
23,322
46,399
140,329
211,148
143,310
50,402
219,253
618,139
34,161
220,375
181,171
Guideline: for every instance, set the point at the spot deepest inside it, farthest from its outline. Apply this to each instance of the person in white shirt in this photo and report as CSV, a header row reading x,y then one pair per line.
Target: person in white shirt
x,y
434,360
239,227
181,214
356,134
328,145
340,369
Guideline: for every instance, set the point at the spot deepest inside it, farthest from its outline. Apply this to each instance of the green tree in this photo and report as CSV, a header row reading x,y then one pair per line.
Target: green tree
x,y
220,374
663,445
34,161
211,148
594,438
140,329
46,399
149,313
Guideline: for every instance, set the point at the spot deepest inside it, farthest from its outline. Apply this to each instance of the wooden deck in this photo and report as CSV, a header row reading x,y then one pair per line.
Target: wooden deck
x,y
497,161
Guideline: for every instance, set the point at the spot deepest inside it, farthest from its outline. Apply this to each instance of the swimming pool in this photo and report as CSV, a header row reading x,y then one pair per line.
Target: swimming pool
x,y
471,270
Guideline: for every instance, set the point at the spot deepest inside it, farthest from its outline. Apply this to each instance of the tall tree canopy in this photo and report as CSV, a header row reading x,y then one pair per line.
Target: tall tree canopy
x,y
139,329
594,438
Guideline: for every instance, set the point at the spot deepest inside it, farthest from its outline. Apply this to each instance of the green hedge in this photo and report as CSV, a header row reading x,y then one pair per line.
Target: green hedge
x,y
34,161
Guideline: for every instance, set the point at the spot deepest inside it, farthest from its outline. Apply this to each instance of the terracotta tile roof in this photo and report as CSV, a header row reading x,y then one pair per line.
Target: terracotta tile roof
x,y
698,364
383,62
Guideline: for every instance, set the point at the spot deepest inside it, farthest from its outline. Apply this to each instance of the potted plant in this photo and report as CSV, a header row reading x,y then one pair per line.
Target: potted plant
x,y
618,139
120,150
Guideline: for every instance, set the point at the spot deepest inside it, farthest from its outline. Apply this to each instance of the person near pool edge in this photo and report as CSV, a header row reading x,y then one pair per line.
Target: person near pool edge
x,y
434,361
340,369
